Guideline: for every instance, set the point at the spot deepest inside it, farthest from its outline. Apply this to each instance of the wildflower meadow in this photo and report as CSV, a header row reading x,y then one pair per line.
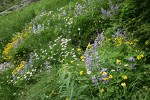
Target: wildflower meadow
x,y
76,50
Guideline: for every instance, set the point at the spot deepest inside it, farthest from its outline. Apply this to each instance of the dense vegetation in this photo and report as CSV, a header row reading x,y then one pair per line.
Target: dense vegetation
x,y
76,50
5,4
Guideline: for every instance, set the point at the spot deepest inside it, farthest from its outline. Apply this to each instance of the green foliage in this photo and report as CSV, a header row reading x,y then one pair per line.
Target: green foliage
x,y
135,15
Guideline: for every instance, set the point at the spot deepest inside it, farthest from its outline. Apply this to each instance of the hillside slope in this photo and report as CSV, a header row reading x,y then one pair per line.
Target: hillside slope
x,y
75,50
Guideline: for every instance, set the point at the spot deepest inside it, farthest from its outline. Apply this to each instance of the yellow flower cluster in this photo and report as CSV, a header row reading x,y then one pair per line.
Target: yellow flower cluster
x,y
119,41
6,51
19,67
140,56
130,43
10,46
89,46
105,76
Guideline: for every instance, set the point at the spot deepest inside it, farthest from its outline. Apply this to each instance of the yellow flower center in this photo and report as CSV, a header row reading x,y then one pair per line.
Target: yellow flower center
x,y
110,76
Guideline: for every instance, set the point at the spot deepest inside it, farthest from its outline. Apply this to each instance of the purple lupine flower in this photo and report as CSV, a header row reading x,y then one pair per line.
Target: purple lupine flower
x,y
30,60
94,80
97,59
103,12
104,70
96,41
112,8
99,78
88,60
106,82
25,65
109,14
134,66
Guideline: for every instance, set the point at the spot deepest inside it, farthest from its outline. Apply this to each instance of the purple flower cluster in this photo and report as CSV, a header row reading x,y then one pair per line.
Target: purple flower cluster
x,y
108,13
92,58
132,62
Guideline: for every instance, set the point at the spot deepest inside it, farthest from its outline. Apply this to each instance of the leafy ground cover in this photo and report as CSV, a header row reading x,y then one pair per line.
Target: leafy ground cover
x,y
75,50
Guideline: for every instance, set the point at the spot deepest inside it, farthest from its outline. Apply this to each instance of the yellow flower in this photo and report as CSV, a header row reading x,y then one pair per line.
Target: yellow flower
x,y
14,72
82,58
67,98
130,43
71,61
21,65
119,41
79,49
81,72
104,73
110,76
89,46
105,79
118,61
102,90
140,56
124,77
123,84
